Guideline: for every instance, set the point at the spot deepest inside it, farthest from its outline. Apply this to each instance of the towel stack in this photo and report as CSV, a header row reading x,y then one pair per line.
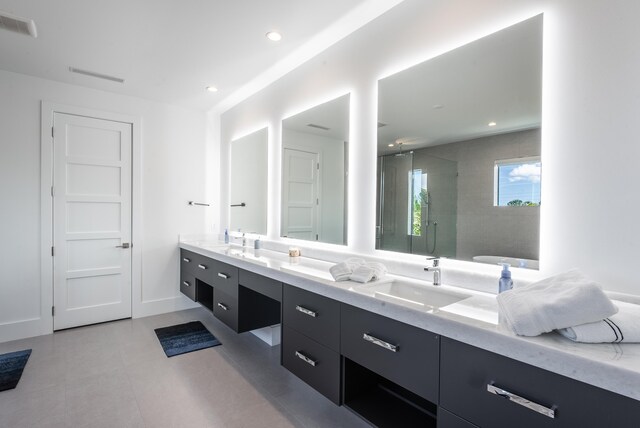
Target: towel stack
x,y
358,270
572,304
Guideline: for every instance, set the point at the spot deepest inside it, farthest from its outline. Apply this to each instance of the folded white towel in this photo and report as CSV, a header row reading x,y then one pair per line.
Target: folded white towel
x,y
357,270
621,327
362,273
341,271
561,301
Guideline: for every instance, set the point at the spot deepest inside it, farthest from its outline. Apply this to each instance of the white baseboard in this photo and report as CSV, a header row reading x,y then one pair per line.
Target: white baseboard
x,y
162,306
21,329
37,326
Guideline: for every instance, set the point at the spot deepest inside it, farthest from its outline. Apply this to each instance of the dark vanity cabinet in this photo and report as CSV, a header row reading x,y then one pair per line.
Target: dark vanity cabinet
x,y
393,374
490,390
242,300
311,340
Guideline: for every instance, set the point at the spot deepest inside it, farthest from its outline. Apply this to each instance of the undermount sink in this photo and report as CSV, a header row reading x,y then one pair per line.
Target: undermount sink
x,y
421,296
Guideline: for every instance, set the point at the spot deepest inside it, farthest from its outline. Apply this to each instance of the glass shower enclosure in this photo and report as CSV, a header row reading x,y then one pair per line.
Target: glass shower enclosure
x,y
417,204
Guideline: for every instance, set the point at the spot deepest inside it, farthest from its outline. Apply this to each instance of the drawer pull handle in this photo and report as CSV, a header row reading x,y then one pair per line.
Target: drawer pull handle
x,y
306,311
223,307
306,359
203,267
223,275
521,401
184,259
386,345
186,283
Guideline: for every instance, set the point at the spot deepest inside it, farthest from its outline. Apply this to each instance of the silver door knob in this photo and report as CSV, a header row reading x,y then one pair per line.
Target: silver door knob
x,y
124,245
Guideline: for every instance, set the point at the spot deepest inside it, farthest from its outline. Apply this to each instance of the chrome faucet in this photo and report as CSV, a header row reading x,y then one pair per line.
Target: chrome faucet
x,y
244,240
437,275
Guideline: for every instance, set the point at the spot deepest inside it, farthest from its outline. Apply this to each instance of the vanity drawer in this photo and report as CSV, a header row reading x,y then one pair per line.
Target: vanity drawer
x,y
188,261
313,315
312,362
225,308
404,354
260,284
467,374
224,277
449,420
188,284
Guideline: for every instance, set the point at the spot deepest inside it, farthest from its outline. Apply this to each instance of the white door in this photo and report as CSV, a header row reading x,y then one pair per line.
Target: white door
x,y
300,194
91,220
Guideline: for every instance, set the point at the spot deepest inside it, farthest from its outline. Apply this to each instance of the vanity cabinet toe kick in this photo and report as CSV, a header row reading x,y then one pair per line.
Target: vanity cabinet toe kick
x,y
332,346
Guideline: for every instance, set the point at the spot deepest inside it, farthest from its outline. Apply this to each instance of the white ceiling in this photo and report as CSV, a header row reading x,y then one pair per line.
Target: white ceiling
x,y
169,50
333,114
497,78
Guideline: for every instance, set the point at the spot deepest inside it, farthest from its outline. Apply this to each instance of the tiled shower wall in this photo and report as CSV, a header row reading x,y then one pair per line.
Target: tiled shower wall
x,y
483,229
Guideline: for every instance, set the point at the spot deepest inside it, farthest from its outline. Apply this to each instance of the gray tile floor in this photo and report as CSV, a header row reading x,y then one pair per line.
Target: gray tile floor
x,y
116,375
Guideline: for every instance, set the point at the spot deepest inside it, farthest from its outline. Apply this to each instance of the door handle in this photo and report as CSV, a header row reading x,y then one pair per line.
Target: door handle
x,y
124,245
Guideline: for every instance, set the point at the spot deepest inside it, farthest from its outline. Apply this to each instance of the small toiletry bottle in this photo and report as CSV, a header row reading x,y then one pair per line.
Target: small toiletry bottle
x,y
226,236
257,244
505,283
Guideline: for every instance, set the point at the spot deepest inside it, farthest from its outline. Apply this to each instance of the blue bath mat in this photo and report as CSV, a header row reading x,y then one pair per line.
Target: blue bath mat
x,y
183,338
11,366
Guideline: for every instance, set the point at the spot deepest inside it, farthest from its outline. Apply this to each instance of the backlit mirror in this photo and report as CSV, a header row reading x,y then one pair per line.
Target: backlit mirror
x,y
459,152
248,195
315,147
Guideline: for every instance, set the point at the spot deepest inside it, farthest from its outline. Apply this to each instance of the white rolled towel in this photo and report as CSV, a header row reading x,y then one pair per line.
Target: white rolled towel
x,y
342,271
557,302
621,327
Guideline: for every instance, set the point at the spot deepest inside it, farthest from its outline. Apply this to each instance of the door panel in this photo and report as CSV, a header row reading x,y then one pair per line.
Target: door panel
x,y
91,219
300,214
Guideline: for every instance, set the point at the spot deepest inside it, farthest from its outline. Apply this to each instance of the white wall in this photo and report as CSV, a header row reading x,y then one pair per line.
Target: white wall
x,y
173,172
591,101
331,180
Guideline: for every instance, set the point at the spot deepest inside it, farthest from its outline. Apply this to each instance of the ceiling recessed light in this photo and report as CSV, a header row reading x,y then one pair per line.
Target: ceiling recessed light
x,y
212,89
438,106
274,36
492,124
390,145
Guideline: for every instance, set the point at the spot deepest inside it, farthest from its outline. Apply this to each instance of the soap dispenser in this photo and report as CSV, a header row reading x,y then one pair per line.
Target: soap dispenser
x,y
505,283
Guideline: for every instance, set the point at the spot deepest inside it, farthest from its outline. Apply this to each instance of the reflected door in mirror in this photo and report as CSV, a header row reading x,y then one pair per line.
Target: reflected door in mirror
x,y
300,175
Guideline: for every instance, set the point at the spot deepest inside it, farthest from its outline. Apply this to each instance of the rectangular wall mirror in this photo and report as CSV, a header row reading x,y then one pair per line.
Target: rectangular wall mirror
x,y
248,180
315,150
459,152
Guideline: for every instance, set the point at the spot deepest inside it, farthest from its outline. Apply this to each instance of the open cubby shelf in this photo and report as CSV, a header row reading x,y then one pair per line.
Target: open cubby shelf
x,y
382,402
204,294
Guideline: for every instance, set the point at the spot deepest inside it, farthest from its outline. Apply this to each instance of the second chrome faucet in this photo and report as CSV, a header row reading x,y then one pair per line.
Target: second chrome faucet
x,y
435,268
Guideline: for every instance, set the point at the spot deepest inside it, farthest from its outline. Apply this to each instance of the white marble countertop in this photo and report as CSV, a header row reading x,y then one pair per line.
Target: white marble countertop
x,y
473,320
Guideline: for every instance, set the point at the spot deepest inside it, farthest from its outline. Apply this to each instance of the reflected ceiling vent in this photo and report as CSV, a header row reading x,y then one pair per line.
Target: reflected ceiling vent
x,y
96,75
313,125
380,124
17,24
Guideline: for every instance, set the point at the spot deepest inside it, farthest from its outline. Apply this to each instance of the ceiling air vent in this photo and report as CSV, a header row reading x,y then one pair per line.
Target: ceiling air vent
x,y
18,25
313,125
96,75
